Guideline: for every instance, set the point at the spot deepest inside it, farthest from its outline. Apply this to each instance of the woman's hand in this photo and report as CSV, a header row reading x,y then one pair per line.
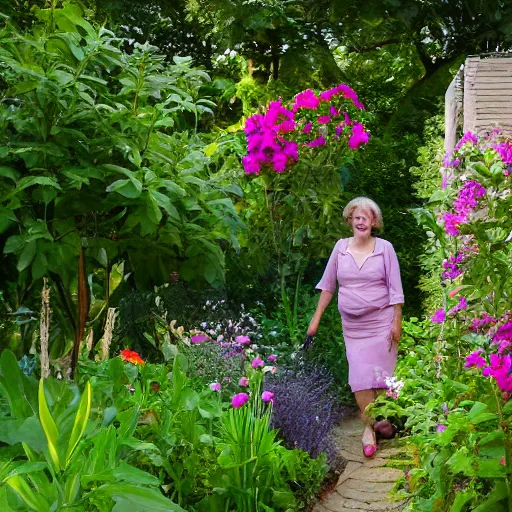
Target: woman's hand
x,y
313,326
396,327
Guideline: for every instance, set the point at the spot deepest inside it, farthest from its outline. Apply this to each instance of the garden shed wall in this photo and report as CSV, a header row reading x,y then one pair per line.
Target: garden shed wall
x,y
482,91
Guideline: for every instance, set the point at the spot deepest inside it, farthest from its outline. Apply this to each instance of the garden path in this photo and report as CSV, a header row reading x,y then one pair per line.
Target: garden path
x,y
365,483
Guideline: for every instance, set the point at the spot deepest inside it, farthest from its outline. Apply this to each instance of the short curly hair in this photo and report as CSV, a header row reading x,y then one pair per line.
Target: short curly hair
x,y
364,203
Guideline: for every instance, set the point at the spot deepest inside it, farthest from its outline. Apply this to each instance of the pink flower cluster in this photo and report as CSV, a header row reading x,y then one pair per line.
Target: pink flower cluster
x,y
462,305
499,367
464,205
265,142
504,149
468,137
272,137
451,266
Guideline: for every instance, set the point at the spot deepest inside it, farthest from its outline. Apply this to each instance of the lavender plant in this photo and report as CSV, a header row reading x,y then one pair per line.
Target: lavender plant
x,y
306,407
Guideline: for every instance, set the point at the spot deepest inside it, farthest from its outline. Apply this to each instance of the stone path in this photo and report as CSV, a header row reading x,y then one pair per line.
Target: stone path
x,y
365,483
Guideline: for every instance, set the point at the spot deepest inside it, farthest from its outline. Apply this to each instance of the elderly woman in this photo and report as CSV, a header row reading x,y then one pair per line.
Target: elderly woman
x,y
370,300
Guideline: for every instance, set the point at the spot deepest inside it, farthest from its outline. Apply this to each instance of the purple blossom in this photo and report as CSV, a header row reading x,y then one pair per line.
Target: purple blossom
x,y
333,111
257,363
462,305
324,119
243,340
441,428
468,137
438,317
267,396
475,360
319,141
307,128
359,136
244,382
215,386
239,399
199,338
449,162
272,358
306,99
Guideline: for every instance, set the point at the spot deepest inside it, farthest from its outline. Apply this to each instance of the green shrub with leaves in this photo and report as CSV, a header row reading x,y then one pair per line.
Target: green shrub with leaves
x,y
101,163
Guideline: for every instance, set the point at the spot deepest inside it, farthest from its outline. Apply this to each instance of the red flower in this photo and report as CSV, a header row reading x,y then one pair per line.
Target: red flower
x,y
131,356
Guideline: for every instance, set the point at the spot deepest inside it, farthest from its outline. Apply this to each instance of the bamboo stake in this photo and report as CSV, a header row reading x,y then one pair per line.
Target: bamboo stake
x,y
107,334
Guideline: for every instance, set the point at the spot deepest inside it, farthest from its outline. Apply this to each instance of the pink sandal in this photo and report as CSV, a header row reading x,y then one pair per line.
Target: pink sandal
x,y
370,449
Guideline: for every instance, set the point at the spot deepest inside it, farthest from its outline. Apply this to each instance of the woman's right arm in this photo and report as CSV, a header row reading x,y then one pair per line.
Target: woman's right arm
x,y
323,302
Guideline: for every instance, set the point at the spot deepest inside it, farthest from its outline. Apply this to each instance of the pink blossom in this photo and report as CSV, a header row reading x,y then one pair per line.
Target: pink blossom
x,y
461,305
243,340
475,359
468,137
290,149
307,128
438,317
239,399
319,141
253,124
251,164
306,99
441,428
287,127
504,150
244,382
215,386
324,120
333,111
257,363
279,162
326,96
359,136
267,396
199,338
272,358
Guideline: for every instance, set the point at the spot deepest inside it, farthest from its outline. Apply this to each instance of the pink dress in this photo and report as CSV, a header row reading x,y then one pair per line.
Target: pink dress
x,y
365,301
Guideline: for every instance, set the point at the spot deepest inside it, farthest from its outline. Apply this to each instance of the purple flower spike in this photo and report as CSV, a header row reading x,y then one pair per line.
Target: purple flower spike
x,y
438,317
239,399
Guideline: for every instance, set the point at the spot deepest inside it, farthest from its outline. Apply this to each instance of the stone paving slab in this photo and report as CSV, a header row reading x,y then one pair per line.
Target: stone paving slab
x,y
365,483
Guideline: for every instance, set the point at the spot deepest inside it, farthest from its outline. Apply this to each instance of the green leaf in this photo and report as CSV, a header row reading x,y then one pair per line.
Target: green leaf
x,y
461,499
165,202
33,499
130,188
462,462
49,427
9,172
153,210
27,255
81,418
14,244
490,469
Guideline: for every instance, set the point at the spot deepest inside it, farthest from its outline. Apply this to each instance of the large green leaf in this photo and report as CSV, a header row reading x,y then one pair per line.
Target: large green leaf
x,y
33,499
27,255
81,418
49,427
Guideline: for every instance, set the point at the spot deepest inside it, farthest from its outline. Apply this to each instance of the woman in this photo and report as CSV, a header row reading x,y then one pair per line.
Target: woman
x,y
370,300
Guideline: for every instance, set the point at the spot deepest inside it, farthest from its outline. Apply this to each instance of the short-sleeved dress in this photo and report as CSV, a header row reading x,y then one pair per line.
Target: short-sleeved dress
x,y
366,297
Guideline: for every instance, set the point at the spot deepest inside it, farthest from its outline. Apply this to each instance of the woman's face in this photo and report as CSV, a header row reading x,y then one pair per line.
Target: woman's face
x,y
362,222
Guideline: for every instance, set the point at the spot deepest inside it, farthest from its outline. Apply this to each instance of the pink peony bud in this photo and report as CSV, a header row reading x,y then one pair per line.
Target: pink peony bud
x,y
239,399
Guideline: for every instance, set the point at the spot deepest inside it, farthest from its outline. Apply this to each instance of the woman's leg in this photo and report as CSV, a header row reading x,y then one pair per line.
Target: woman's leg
x,y
364,398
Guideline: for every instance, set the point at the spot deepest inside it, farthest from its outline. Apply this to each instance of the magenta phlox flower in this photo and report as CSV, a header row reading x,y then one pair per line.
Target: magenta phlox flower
x,y
279,160
251,164
359,136
452,221
243,340
451,266
324,119
307,128
475,360
215,386
499,368
333,111
449,161
350,94
239,400
267,396
468,137
441,428
469,194
199,338
306,99
483,321
257,363
462,305
328,95
504,149
244,382
504,333
319,141
253,124
272,358
438,317
290,149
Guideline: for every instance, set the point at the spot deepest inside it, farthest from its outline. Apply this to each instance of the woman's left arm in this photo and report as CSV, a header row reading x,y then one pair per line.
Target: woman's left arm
x,y
396,329
396,294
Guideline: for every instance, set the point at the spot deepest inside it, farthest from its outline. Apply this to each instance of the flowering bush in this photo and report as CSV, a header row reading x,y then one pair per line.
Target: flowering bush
x,y
458,407
276,138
